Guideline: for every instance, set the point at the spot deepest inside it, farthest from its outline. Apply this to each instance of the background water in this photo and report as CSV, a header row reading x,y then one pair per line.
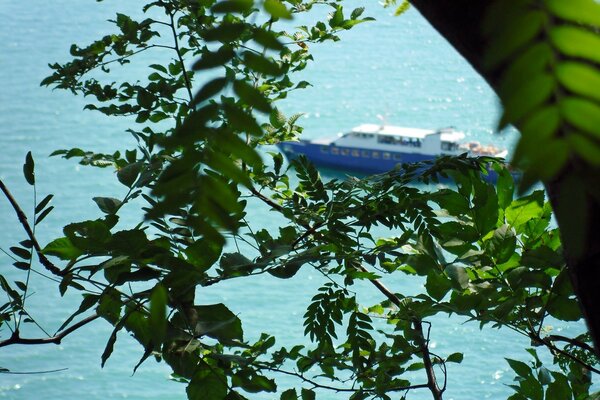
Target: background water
x,y
398,68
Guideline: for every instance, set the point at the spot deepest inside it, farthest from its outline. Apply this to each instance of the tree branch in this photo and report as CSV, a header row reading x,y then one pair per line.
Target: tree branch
x,y
423,342
16,339
573,342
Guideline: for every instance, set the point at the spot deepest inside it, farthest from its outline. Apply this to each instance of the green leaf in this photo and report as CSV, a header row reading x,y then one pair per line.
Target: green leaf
x,y
204,253
129,173
458,276
533,62
509,38
277,118
289,394
337,17
357,12
564,308
108,205
227,167
502,245
158,313
236,263
308,394
455,357
525,208
42,204
505,186
261,64
145,99
218,58
232,6
437,285
580,78
268,39
582,114
277,9
287,270
254,383
28,169
209,90
522,369
63,249
544,162
21,253
402,8
44,214
485,207
576,42
252,96
559,389
207,384
218,322
225,33
544,376
537,127
578,11
586,148
242,121
158,67
527,98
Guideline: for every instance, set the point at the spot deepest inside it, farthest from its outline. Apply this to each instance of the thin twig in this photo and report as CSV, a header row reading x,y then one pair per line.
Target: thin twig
x,y
337,389
34,372
188,84
23,220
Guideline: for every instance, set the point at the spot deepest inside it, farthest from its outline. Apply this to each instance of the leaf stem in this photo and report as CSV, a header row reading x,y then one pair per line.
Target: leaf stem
x,y
23,220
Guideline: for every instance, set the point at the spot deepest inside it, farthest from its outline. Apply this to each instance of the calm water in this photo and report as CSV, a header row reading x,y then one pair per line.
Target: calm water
x,y
397,68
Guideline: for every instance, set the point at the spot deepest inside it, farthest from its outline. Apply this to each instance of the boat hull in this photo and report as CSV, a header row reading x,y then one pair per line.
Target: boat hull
x,y
368,161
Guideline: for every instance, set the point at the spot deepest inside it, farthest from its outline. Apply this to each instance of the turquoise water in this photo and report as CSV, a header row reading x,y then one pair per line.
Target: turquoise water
x,y
396,68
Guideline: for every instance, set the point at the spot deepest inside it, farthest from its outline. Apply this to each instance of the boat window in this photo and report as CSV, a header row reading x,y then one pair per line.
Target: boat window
x,y
397,156
345,152
385,139
386,155
365,154
375,154
324,149
402,141
355,153
449,146
335,150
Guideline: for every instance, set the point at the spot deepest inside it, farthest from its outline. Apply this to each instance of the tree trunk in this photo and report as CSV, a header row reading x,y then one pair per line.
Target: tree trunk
x,y
459,22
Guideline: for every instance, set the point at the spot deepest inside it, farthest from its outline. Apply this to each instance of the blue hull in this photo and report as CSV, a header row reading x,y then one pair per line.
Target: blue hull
x,y
361,160
348,158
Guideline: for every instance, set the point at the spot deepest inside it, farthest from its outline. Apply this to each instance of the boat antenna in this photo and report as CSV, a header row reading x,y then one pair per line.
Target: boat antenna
x,y
382,119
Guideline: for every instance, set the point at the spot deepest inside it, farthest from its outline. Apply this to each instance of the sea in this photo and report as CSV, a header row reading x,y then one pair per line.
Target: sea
x,y
396,70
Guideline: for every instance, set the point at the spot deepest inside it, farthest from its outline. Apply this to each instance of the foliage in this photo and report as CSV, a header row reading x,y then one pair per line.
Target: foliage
x,y
545,53
482,254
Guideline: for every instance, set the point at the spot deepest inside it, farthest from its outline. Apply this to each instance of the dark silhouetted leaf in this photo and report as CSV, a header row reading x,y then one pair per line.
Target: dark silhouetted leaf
x,y
108,205
28,169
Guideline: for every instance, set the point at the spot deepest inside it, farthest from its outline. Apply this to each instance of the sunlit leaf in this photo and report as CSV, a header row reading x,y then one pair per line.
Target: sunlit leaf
x,y
277,9
578,11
